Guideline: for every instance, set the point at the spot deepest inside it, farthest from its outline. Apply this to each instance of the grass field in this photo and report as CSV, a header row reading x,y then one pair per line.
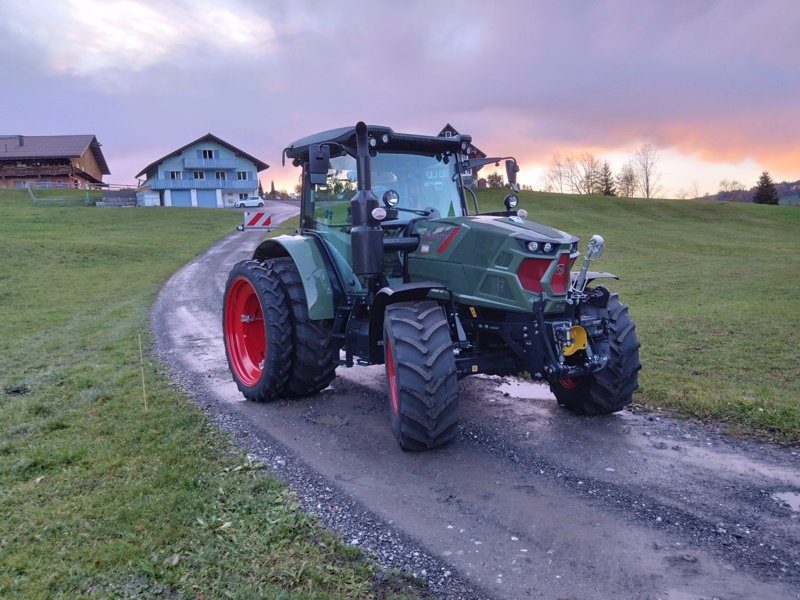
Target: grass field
x,y
107,493
715,290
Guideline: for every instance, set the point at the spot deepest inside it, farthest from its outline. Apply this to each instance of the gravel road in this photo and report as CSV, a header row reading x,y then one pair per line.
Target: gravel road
x,y
529,502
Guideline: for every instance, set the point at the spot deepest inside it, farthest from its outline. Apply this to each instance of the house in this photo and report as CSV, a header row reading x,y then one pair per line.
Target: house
x,y
472,151
51,161
207,172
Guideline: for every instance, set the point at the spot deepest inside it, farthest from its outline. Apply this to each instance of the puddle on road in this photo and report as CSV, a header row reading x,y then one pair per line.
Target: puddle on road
x,y
790,498
526,391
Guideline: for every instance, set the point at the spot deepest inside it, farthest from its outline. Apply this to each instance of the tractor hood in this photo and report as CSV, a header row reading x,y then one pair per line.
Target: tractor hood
x,y
493,260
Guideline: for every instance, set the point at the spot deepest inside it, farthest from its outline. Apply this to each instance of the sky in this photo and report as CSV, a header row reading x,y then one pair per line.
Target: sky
x,y
714,86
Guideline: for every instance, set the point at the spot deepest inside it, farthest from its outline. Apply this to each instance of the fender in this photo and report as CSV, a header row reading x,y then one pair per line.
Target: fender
x,y
407,292
310,264
592,275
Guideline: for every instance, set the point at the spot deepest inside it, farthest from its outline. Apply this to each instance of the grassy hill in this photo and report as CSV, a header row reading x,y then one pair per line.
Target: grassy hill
x,y
714,290
110,489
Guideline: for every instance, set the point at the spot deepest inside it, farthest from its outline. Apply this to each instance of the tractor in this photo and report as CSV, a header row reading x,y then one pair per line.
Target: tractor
x,y
394,264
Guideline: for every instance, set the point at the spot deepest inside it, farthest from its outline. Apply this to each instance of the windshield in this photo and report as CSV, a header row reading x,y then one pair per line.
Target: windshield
x,y
423,183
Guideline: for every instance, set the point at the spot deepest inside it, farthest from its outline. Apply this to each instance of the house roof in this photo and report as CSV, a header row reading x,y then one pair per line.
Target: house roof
x,y
454,131
209,137
51,146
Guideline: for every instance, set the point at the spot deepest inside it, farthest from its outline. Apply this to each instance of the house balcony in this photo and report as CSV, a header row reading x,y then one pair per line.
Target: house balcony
x,y
210,164
202,184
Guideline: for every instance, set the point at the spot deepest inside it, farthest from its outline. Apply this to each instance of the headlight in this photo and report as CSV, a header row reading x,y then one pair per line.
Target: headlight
x,y
533,246
548,248
510,201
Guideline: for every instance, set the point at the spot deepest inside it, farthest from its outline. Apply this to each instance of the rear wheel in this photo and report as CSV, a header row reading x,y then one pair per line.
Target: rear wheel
x,y
257,330
421,373
610,389
314,357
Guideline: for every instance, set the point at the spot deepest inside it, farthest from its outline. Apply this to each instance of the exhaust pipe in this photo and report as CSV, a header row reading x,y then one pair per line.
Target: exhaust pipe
x,y
366,236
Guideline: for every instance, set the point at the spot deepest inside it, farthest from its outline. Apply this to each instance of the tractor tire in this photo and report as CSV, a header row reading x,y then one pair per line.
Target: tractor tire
x,y
421,373
314,357
610,389
257,330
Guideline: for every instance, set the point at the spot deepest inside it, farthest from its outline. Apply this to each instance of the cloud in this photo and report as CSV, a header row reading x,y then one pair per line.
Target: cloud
x,y
713,80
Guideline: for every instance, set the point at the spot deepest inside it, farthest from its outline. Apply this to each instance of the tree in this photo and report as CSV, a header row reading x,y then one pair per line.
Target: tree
x,y
556,177
494,180
627,182
732,191
298,188
272,188
260,190
645,160
607,181
765,193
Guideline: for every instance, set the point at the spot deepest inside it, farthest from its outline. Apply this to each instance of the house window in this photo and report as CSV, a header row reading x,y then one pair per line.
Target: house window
x,y
242,175
208,154
242,196
199,175
220,175
448,133
174,174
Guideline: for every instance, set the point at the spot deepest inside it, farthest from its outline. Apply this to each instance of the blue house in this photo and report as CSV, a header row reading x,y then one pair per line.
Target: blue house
x,y
207,172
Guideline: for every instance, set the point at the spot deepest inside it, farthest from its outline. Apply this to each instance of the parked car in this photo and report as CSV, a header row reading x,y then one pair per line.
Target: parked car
x,y
252,201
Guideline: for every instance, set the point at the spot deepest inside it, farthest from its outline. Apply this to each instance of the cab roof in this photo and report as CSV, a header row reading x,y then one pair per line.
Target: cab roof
x,y
397,142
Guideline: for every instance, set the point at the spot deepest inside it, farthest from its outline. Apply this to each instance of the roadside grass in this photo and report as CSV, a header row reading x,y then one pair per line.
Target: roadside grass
x,y
111,489
715,290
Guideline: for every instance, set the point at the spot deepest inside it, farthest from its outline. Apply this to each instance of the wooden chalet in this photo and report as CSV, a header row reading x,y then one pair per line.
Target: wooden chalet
x,y
51,161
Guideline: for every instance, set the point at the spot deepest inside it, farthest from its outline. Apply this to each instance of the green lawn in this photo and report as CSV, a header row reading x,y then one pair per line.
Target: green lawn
x,y
106,492
715,290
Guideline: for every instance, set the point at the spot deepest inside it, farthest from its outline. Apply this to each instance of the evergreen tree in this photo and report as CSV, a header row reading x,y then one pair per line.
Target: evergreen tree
x,y
607,181
765,193
260,190
272,189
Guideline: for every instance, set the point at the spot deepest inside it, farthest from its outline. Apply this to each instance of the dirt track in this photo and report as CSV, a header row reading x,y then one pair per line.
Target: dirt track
x,y
530,501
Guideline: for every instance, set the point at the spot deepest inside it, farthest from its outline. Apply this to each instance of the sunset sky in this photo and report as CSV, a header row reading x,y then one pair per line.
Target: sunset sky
x,y
714,85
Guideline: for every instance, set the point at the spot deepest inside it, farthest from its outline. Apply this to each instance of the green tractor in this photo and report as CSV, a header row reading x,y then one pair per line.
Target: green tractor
x,y
391,267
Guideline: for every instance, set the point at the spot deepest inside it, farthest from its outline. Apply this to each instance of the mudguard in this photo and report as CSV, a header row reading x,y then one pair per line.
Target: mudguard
x,y
592,275
407,292
311,266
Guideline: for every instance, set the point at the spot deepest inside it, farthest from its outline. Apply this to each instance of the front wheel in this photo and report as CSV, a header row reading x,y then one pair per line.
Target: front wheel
x,y
314,355
610,389
421,373
257,330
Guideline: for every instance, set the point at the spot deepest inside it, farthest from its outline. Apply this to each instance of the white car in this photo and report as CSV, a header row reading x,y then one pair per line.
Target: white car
x,y
252,201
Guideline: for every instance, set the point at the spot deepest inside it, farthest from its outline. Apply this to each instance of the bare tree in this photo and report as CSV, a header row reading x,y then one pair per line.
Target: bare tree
x,y
627,181
731,190
580,174
645,160
556,177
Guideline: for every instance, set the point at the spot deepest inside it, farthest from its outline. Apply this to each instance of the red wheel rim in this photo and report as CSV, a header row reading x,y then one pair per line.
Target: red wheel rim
x,y
392,379
245,334
568,384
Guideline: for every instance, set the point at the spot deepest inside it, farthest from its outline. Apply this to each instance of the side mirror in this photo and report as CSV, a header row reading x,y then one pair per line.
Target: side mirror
x,y
510,202
597,246
511,174
319,162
